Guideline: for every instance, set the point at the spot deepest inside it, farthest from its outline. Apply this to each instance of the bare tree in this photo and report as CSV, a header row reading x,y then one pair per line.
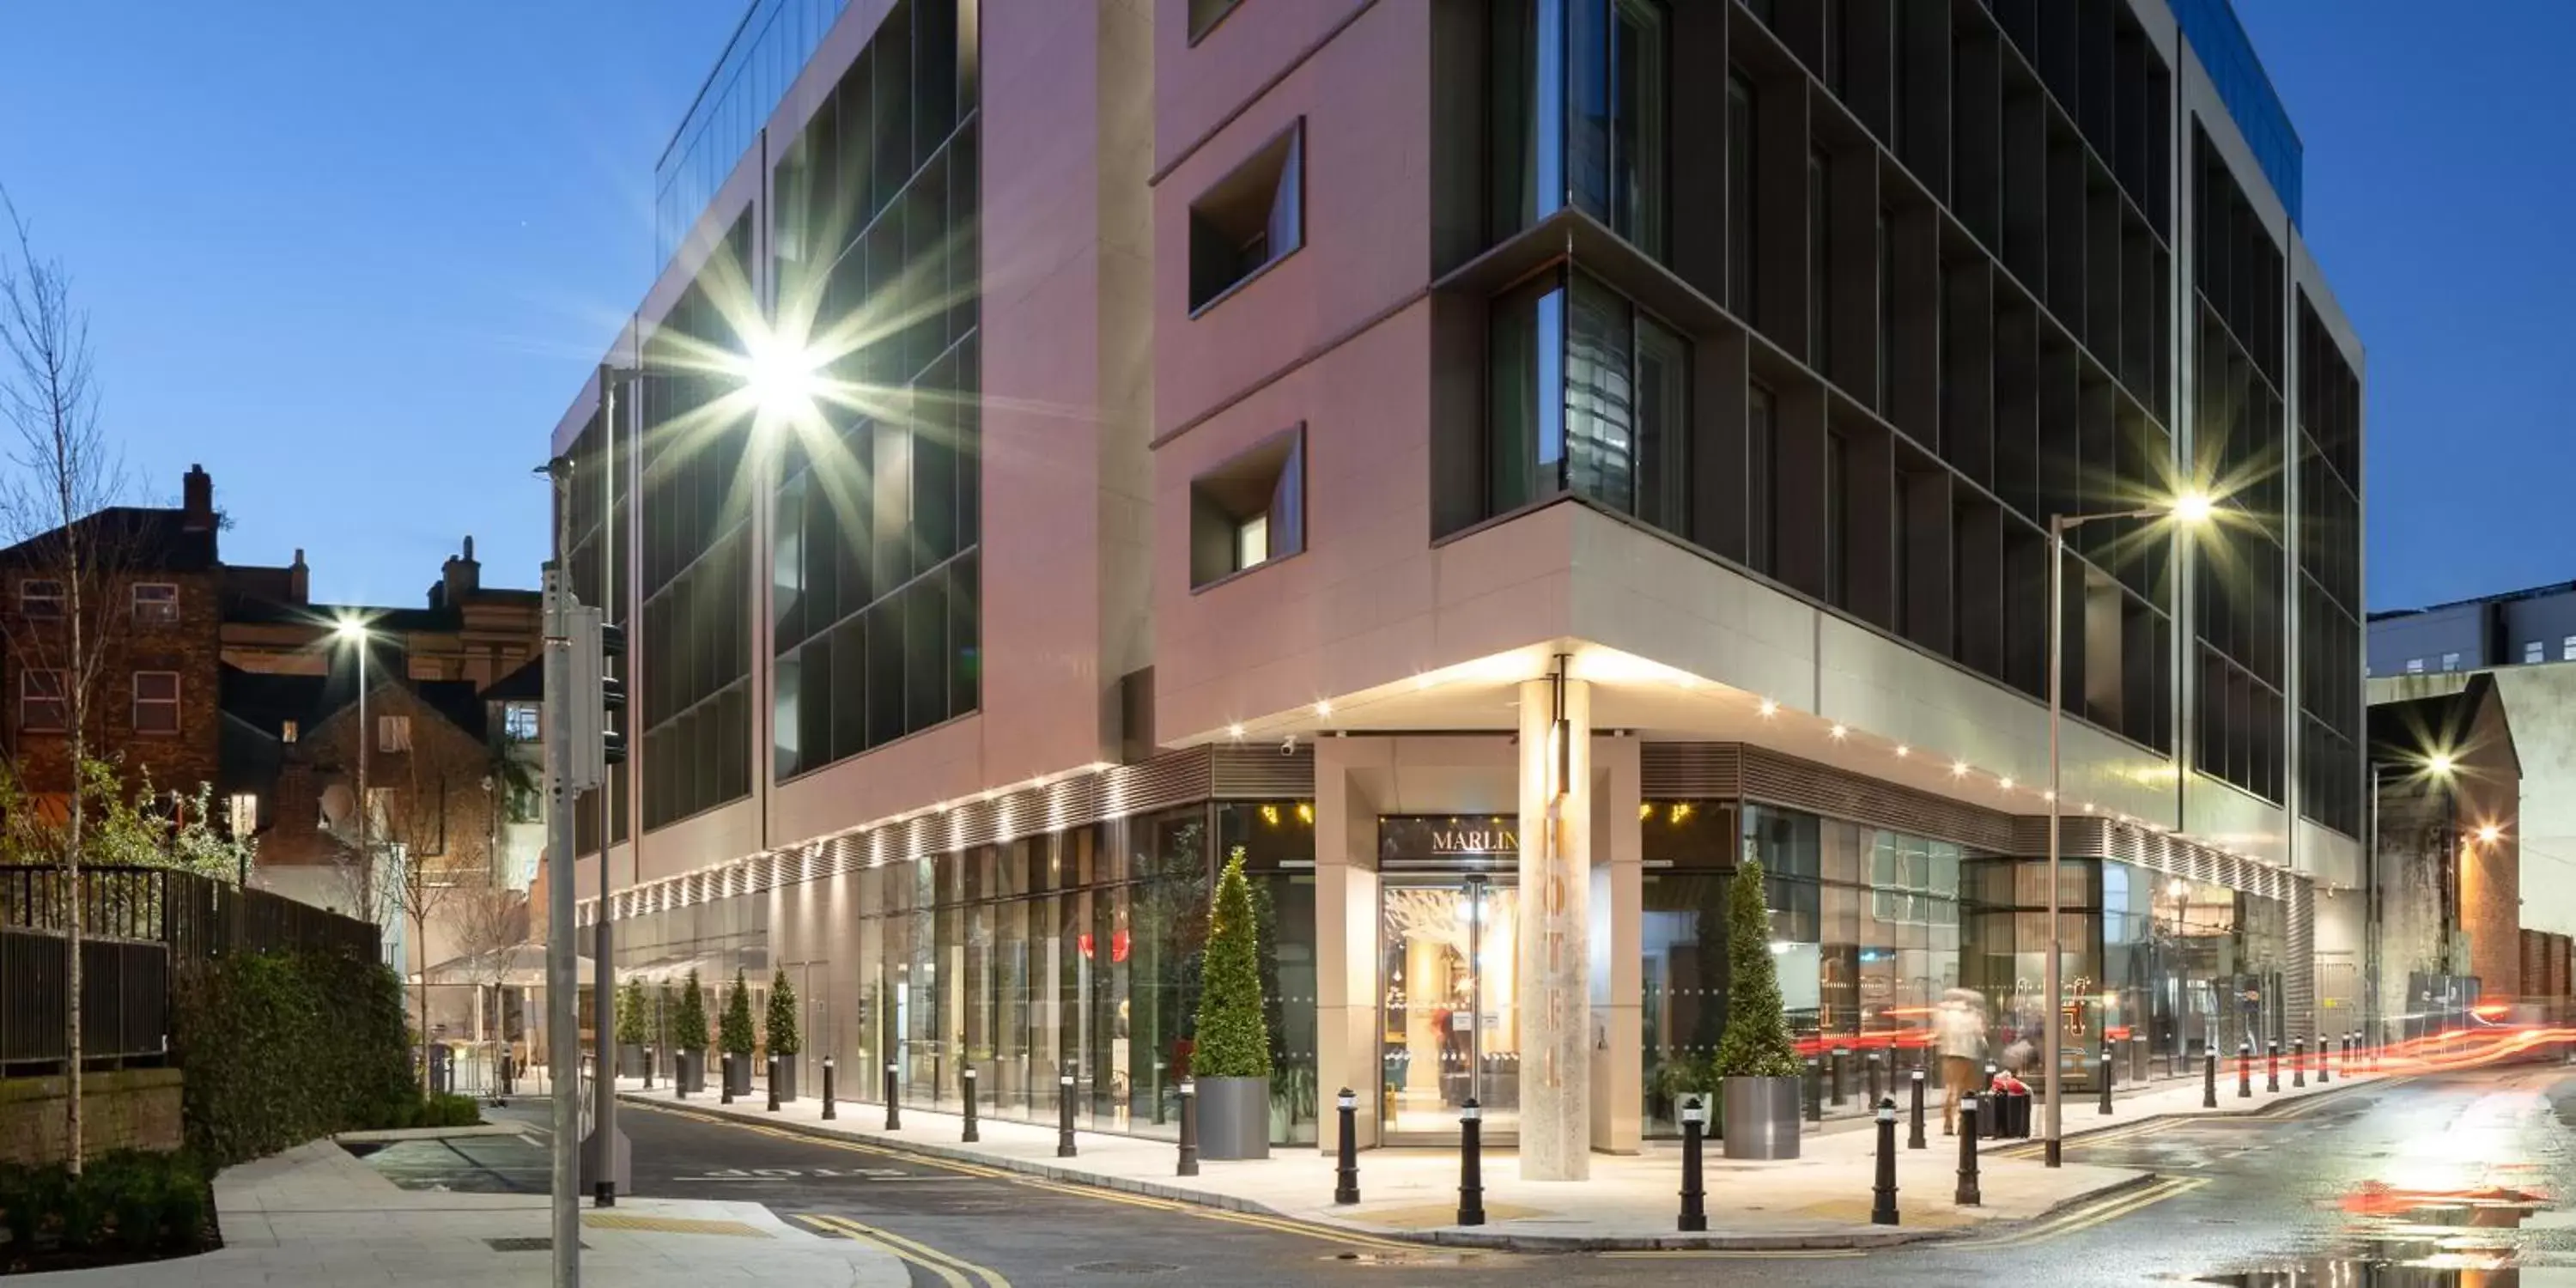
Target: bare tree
x,y
489,921
436,815
65,473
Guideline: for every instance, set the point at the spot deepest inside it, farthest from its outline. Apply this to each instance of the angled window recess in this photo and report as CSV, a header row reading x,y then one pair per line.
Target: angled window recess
x,y
1250,510
1249,220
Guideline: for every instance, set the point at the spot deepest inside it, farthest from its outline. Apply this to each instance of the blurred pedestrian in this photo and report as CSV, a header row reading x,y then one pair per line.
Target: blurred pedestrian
x,y
1959,1029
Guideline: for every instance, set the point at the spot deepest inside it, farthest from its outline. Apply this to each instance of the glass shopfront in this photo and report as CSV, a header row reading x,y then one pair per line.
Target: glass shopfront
x,y
1448,951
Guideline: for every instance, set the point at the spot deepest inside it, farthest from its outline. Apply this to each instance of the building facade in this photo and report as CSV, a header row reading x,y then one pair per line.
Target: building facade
x,y
1494,475
2516,628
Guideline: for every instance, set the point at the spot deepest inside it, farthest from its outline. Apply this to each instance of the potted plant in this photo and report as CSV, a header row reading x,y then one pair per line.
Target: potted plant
x,y
630,1030
784,1041
1230,1056
690,1024
1756,1061
734,1036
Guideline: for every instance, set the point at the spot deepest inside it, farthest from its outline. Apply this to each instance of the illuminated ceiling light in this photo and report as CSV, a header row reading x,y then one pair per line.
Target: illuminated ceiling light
x,y
1838,733
1958,769
2048,796
1769,708
1903,750
1324,708
2006,782
2088,807
1234,731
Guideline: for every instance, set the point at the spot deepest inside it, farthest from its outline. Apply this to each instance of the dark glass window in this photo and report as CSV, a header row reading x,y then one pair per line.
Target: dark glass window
x,y
1569,415
1837,547
1761,450
1819,277
1739,196
1578,113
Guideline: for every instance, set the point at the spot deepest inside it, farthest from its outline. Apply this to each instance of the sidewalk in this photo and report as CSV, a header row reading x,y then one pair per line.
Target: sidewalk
x,y
1820,1200
317,1215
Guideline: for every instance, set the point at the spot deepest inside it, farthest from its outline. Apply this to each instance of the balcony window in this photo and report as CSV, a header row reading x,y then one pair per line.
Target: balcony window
x,y
1253,218
1590,396
1578,115
1250,510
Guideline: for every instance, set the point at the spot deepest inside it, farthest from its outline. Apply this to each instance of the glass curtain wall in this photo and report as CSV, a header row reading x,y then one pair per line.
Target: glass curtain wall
x,y
1579,115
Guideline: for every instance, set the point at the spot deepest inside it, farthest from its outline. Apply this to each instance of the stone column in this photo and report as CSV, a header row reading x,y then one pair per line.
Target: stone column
x,y
1618,972
1555,931
1347,988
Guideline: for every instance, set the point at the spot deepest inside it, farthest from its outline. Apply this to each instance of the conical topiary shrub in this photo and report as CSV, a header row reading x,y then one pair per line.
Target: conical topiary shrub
x,y
689,1034
1755,1056
784,1040
735,1038
630,1030
1230,1058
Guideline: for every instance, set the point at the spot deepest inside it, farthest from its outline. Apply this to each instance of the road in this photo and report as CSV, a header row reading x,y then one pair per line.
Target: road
x,y
2437,1182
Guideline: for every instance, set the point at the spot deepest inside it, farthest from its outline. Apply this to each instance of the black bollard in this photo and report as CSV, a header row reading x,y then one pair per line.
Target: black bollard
x,y
830,1109
1967,1195
966,1079
1914,1135
2325,1063
2244,1070
773,1082
725,1095
1834,1073
1694,1194
1813,1087
2299,1063
2105,1079
1346,1158
1882,1208
1471,1164
1190,1129
2209,1080
1877,1088
648,1068
2272,1066
1064,1115
893,1102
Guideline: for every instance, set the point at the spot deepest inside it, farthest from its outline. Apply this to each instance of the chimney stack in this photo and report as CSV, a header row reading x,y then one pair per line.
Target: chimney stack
x,y
197,500
299,580
460,576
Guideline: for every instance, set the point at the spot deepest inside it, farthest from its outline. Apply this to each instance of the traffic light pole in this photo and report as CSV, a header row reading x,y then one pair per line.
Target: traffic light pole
x,y
563,1042
605,1173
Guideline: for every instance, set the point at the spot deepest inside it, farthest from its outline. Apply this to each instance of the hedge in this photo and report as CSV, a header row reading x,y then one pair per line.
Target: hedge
x,y
284,1047
125,1204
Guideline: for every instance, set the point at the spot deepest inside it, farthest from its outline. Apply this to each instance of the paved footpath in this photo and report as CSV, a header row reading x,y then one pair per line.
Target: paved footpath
x,y
317,1215
1821,1200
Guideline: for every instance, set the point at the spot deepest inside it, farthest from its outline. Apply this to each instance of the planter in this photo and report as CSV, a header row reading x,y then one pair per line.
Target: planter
x,y
1234,1118
1761,1118
691,1071
630,1060
786,1080
737,1074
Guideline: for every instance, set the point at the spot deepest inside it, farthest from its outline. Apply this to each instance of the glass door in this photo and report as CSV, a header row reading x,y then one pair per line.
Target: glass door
x,y
1449,1027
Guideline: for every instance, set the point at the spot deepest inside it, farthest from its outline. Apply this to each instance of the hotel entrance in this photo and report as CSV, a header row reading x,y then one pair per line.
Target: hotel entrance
x,y
1448,933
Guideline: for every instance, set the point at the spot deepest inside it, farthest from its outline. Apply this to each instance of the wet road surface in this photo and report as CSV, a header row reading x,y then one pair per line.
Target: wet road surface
x,y
2451,1181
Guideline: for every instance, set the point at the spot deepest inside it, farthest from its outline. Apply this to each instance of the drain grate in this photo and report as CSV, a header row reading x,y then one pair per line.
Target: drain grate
x,y
525,1243
1125,1268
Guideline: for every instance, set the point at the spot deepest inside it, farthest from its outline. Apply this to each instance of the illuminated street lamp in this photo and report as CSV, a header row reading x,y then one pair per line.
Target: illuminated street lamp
x,y
2188,509
353,631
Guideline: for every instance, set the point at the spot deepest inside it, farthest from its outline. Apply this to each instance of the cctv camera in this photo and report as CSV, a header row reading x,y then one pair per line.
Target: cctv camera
x,y
1288,745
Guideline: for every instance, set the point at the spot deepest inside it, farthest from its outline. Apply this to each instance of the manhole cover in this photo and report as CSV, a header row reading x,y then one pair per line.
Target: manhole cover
x,y
524,1243
1125,1268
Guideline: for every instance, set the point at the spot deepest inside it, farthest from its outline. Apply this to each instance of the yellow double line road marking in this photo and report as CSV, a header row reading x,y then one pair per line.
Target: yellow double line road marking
x,y
2085,1218
948,1269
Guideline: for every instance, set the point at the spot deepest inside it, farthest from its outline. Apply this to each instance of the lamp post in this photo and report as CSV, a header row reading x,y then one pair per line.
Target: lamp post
x,y
353,631
2189,508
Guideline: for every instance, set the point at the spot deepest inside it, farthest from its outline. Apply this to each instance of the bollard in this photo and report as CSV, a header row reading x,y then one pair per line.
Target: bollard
x,y
1190,1129
1877,1088
1812,1090
1064,1115
773,1082
966,1076
725,1095
2139,1057
2272,1066
1346,1161
1967,1195
830,1109
1471,1166
1882,1208
2209,1080
2299,1063
1991,1070
2325,1064
893,1102
1914,1136
2105,1079
1694,1194
1834,1073
648,1068
2244,1070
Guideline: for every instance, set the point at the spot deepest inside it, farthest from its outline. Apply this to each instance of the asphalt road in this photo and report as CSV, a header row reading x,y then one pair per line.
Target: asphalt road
x,y
2427,1183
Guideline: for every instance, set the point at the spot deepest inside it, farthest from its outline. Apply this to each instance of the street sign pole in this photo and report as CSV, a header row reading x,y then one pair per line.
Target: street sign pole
x,y
563,1042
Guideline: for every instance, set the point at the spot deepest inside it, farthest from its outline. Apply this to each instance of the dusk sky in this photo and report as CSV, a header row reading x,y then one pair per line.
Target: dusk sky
x,y
358,258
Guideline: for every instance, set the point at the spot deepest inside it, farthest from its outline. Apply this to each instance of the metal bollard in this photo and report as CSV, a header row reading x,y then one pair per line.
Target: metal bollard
x,y
893,1102
773,1082
831,1110
2325,1064
2139,1071
1914,1135
2209,1080
1064,1115
966,1076
1967,1195
2105,1079
1346,1158
1694,1193
2299,1063
1190,1128
648,1067
2272,1066
2244,1070
1882,1208
1877,1087
724,1094
1812,1090
1471,1165
1834,1073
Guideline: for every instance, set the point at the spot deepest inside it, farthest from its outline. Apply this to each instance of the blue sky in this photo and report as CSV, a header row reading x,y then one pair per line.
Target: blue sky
x,y
356,258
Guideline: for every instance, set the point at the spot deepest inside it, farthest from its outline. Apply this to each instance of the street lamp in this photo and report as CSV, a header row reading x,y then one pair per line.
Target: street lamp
x,y
353,631
2188,509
